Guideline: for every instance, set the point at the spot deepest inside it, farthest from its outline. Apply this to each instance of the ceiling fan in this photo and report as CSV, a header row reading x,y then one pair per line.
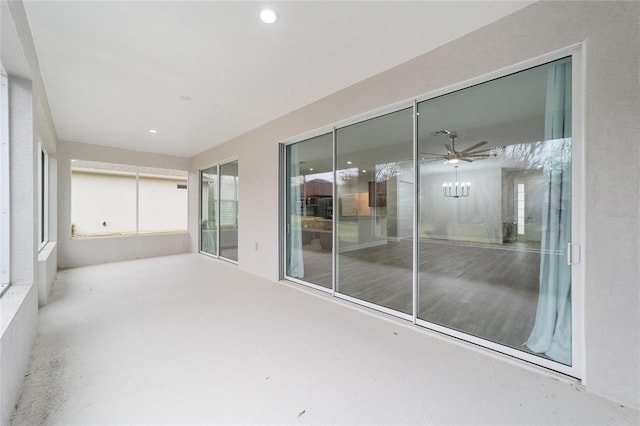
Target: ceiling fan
x,y
452,156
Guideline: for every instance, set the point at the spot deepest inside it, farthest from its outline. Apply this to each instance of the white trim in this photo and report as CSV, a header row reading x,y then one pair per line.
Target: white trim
x,y
325,130
416,218
380,308
43,196
334,209
507,350
309,284
378,112
5,187
138,201
578,208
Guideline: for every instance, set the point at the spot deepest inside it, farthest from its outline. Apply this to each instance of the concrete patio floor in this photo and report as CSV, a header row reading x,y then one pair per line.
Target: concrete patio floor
x,y
191,340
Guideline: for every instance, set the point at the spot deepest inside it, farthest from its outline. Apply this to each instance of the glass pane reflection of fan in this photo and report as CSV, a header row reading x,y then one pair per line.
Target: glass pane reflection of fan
x,y
452,156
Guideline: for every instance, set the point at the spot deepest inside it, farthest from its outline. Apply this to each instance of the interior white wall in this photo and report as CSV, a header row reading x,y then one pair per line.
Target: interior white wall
x,y
89,251
476,218
609,31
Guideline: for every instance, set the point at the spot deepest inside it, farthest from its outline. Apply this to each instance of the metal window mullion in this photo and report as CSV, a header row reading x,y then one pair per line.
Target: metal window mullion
x,y
334,236
45,170
137,199
218,204
199,211
283,199
40,195
416,189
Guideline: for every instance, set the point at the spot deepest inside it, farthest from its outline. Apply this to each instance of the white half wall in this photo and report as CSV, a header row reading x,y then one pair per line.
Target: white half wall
x,y
19,327
609,35
90,251
47,268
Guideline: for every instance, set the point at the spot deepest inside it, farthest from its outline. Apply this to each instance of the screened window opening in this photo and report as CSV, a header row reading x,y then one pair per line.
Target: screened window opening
x,y
109,199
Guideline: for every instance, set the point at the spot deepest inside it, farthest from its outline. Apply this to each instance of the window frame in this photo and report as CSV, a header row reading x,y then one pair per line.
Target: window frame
x,y
136,175
218,203
43,196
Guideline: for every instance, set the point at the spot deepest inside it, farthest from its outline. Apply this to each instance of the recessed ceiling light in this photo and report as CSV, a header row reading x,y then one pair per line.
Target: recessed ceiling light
x,y
268,16
154,131
310,169
349,162
364,171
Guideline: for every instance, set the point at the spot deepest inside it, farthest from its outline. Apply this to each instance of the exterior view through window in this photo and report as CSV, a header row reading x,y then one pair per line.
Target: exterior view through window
x,y
459,220
219,211
110,199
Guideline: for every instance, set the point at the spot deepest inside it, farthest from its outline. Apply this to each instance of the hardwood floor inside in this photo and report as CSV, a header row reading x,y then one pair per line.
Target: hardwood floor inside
x,y
489,291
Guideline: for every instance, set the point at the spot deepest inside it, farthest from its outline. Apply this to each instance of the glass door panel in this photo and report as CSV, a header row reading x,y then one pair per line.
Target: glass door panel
x,y
495,210
375,193
310,210
209,203
229,210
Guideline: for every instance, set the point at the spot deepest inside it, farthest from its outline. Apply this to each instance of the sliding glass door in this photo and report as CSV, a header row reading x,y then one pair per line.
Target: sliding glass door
x,y
454,212
219,211
495,211
375,211
309,223
229,211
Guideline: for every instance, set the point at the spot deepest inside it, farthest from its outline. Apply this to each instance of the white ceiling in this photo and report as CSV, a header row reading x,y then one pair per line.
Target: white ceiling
x,y
114,70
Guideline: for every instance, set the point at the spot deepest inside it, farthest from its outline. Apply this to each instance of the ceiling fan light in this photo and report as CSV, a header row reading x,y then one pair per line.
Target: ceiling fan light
x,y
453,161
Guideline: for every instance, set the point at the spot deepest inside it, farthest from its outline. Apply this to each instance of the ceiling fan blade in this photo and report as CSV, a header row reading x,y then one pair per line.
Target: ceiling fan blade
x,y
477,155
482,151
429,153
466,159
478,145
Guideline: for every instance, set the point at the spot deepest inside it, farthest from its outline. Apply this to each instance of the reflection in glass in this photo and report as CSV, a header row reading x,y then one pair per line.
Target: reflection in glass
x,y
209,203
493,264
310,210
229,210
375,210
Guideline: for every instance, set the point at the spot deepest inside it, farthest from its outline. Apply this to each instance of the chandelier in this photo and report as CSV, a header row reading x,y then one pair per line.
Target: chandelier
x,y
456,189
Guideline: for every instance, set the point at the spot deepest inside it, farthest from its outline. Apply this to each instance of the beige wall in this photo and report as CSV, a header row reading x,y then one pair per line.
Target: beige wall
x,y
610,151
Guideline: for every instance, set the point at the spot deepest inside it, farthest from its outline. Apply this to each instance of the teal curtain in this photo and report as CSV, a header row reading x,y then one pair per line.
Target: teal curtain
x,y
551,333
295,261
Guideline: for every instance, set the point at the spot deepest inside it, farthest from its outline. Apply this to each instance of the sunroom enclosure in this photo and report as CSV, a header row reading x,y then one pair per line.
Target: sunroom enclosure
x,y
453,211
